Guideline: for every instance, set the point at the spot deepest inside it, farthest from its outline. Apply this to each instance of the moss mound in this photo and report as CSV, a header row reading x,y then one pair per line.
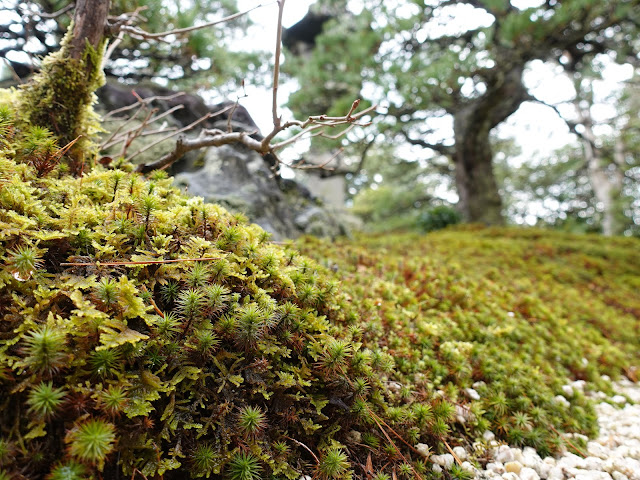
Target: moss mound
x,y
145,334
512,314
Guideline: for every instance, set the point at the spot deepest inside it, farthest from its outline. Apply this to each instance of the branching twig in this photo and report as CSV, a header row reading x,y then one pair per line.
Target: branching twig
x,y
138,32
141,100
182,130
276,68
262,145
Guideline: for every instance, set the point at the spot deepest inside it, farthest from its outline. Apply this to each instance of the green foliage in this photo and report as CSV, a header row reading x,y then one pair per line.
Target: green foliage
x,y
439,217
91,441
513,314
334,464
244,466
60,98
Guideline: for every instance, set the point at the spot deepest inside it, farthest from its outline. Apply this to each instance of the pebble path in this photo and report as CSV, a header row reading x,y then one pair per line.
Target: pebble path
x,y
614,455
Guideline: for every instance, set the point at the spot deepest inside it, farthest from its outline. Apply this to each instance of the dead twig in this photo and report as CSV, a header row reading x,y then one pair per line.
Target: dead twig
x,y
140,33
182,130
145,262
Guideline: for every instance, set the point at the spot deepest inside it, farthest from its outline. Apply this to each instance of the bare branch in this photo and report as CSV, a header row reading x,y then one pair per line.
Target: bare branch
x,y
276,68
215,138
177,132
571,125
441,148
114,140
141,100
138,32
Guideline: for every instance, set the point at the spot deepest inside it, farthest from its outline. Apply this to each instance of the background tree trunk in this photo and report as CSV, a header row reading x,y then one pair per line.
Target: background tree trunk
x,y
475,180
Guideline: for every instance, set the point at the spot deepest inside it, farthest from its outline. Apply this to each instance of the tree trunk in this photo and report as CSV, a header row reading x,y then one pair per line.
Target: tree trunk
x,y
60,96
89,22
476,183
605,176
606,180
475,180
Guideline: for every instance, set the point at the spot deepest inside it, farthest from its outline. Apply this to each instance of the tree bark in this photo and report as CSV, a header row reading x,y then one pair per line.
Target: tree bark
x,y
89,22
60,96
473,158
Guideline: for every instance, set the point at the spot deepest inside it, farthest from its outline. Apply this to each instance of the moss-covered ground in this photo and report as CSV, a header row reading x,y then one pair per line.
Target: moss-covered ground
x,y
145,334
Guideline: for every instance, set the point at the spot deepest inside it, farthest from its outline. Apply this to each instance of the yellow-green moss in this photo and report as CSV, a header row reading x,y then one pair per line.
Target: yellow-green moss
x,y
60,98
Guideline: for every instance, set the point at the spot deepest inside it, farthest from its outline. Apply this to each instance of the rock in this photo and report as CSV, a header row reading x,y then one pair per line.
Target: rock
x,y
597,450
510,476
592,475
472,394
555,474
461,453
593,463
529,474
505,454
445,461
234,176
619,399
424,450
495,468
514,467
469,468
619,476
488,435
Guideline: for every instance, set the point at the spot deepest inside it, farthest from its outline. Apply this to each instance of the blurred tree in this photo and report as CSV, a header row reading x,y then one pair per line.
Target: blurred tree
x,y
455,66
207,57
591,185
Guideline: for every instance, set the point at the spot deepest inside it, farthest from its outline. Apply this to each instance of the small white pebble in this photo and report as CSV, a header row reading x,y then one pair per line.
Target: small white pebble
x,y
472,394
461,453
529,474
423,449
445,461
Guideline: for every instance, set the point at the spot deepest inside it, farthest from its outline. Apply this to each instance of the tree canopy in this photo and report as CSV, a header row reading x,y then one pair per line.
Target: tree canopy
x,y
449,72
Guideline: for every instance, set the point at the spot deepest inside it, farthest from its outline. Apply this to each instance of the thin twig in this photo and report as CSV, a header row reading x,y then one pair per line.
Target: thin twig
x,y
138,32
56,14
305,447
145,262
177,132
567,440
276,68
323,164
141,100
114,141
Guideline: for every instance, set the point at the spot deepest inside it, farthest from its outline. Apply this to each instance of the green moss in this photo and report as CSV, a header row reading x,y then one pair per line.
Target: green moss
x,y
513,313
145,332
173,340
60,98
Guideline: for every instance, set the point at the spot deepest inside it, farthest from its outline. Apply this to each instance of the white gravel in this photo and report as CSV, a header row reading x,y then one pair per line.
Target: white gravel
x,y
614,455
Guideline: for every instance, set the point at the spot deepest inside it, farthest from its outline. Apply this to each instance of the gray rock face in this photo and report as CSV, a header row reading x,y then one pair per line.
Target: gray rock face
x,y
235,177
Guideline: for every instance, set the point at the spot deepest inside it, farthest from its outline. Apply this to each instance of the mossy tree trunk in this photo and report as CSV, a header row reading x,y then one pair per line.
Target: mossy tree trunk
x,y
60,96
